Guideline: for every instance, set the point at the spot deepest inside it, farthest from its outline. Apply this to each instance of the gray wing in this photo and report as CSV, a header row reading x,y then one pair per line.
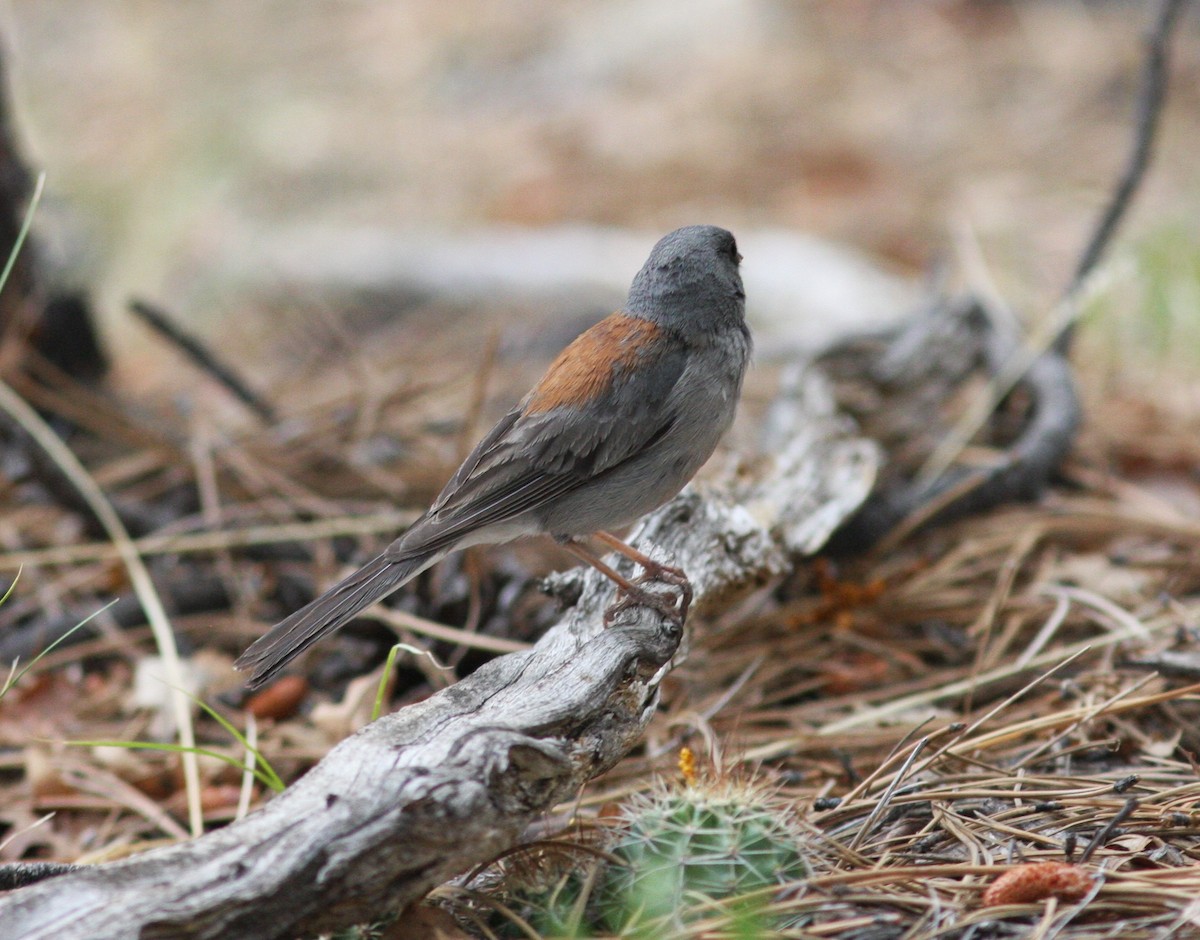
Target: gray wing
x,y
527,459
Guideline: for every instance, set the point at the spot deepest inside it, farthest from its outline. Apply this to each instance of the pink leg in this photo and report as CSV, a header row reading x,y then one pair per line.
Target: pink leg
x,y
654,569
632,591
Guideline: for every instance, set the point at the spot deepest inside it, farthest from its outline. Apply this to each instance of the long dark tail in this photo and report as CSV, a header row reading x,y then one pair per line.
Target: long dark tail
x,y
333,609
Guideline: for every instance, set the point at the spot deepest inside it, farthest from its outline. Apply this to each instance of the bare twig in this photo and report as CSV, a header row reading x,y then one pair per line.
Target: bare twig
x,y
203,358
1109,829
1151,97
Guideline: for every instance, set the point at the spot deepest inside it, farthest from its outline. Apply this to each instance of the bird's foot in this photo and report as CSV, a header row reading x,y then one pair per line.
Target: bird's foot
x,y
676,577
673,607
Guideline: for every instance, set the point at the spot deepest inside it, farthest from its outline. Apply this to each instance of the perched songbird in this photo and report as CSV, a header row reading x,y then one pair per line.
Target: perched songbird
x,y
620,422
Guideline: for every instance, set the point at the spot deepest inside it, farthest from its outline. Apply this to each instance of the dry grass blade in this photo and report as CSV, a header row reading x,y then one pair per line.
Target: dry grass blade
x,y
143,586
885,800
963,686
187,543
437,631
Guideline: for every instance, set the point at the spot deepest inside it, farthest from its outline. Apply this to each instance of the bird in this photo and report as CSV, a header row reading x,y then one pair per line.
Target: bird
x,y
619,423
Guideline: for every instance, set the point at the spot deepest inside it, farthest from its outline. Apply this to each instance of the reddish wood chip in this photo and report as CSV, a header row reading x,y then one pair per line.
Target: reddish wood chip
x,y
280,699
1026,884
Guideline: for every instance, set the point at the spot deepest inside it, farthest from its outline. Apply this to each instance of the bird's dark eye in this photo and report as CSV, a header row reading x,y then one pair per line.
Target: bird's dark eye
x,y
733,252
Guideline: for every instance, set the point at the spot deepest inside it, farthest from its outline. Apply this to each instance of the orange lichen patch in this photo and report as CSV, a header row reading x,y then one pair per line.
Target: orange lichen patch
x,y
687,766
845,593
837,599
1027,884
586,368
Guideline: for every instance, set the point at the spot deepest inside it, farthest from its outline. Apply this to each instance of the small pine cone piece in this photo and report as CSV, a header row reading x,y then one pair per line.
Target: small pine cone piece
x,y
1038,881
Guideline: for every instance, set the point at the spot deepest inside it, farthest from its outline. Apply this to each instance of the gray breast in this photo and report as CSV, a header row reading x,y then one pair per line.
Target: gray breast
x,y
702,404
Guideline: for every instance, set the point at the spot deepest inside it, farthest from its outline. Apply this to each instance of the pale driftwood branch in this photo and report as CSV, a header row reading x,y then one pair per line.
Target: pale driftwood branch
x,y
439,787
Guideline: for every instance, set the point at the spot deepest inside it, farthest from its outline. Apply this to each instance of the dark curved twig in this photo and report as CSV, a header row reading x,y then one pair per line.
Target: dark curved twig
x,y
203,358
1151,97
15,875
1021,474
1054,416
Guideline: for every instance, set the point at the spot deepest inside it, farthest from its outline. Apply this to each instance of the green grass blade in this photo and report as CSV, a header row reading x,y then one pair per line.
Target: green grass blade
x,y
229,759
26,224
15,677
275,781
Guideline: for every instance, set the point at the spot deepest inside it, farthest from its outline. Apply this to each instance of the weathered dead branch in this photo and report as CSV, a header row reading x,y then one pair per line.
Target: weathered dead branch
x,y
423,794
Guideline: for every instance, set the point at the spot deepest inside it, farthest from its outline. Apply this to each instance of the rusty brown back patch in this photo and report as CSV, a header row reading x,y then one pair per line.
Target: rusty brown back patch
x,y
585,369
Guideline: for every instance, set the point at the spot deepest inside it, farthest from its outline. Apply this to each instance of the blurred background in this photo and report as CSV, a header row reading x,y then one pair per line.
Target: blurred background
x,y
259,167
388,215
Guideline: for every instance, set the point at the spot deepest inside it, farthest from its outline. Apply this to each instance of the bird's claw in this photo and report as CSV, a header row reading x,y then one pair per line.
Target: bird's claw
x,y
676,578
672,607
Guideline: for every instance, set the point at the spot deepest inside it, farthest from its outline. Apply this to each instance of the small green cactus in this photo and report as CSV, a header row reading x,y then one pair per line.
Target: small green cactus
x,y
703,852
695,853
